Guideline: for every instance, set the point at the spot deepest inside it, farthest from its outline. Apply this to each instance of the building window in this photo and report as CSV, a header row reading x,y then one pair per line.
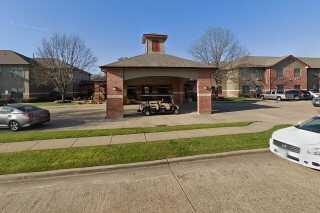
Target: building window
x,y
280,74
297,87
259,75
155,46
280,89
245,90
297,73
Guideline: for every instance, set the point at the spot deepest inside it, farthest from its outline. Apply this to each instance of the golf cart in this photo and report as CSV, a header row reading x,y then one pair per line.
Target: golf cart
x,y
157,104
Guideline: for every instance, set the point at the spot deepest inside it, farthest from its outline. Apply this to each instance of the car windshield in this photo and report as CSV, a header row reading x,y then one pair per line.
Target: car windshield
x,y
312,125
28,108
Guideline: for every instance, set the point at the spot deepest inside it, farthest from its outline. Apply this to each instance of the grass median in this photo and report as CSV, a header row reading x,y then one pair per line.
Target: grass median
x,y
8,137
35,161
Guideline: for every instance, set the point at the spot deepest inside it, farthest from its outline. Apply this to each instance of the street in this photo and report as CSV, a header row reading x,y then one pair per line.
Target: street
x,y
246,183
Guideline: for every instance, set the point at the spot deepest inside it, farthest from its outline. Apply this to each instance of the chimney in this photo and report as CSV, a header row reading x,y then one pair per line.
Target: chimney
x,y
154,43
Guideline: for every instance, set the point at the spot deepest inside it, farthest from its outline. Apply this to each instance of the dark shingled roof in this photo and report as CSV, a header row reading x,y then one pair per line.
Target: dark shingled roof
x,y
266,61
157,60
47,63
8,57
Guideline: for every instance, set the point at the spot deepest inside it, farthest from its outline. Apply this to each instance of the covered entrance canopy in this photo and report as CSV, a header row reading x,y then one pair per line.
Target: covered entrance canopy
x,y
156,72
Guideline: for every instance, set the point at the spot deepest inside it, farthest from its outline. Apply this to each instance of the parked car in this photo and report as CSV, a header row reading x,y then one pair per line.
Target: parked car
x,y
18,116
314,94
316,102
306,95
273,95
287,95
299,144
154,104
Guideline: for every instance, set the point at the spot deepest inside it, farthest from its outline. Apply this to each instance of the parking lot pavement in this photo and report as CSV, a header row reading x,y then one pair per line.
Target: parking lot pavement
x,y
88,116
93,116
247,183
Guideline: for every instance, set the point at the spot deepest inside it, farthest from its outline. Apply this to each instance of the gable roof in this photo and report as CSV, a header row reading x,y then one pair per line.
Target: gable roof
x,y
47,63
9,57
157,60
313,62
267,61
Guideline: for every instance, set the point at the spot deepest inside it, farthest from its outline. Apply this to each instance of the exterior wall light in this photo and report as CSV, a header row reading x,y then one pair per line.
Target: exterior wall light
x,y
114,88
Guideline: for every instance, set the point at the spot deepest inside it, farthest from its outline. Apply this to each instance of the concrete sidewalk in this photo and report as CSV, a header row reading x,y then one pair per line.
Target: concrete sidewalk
x,y
132,138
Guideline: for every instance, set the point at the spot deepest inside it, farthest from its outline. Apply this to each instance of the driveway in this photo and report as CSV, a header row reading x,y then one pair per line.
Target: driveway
x,y
93,116
248,183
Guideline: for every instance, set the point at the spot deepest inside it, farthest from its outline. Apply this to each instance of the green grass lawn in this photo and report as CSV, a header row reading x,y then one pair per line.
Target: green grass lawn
x,y
32,161
8,137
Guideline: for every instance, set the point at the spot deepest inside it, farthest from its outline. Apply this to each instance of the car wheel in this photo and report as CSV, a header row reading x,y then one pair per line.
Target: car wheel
x,y
147,113
279,99
262,97
14,126
176,111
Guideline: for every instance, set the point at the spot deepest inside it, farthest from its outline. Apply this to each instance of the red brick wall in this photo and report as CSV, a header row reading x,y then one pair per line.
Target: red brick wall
x,y
178,91
289,81
204,84
114,104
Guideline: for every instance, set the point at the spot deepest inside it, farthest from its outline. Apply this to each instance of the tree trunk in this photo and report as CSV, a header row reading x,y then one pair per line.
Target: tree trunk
x,y
62,97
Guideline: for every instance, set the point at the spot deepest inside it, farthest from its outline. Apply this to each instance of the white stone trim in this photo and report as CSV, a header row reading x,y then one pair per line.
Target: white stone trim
x,y
230,90
114,96
204,94
178,93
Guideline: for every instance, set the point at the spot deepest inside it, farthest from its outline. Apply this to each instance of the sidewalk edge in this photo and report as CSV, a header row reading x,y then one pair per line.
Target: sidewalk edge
x,y
101,169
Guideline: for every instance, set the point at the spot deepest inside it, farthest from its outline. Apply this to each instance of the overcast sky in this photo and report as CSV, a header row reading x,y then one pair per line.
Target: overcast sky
x,y
113,28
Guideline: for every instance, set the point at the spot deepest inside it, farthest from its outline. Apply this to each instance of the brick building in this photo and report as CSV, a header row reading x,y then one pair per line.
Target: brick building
x,y
21,78
252,75
156,72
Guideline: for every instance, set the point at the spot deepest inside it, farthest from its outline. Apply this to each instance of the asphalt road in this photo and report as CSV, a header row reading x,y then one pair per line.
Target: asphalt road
x,y
248,183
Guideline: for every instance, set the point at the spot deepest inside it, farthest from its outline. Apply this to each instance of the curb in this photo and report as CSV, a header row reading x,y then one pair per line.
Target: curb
x,y
101,169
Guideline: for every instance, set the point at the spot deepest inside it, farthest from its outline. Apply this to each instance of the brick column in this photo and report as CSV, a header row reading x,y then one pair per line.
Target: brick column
x,y
96,92
204,84
304,78
178,91
267,78
114,108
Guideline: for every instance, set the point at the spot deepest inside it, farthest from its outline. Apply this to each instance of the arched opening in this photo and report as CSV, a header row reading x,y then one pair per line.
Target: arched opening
x,y
182,90
187,85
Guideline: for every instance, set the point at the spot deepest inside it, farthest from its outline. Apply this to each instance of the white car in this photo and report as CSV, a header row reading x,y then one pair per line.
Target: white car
x,y
313,94
299,144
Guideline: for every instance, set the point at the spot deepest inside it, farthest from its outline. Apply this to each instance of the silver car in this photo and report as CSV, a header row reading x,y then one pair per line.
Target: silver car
x,y
18,116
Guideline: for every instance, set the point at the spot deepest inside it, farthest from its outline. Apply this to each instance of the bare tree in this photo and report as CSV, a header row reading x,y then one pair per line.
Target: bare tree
x,y
98,77
63,55
218,46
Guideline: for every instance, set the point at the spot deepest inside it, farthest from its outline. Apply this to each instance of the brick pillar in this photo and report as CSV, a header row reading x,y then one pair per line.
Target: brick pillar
x,y
267,78
204,84
304,78
114,108
97,92
178,91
